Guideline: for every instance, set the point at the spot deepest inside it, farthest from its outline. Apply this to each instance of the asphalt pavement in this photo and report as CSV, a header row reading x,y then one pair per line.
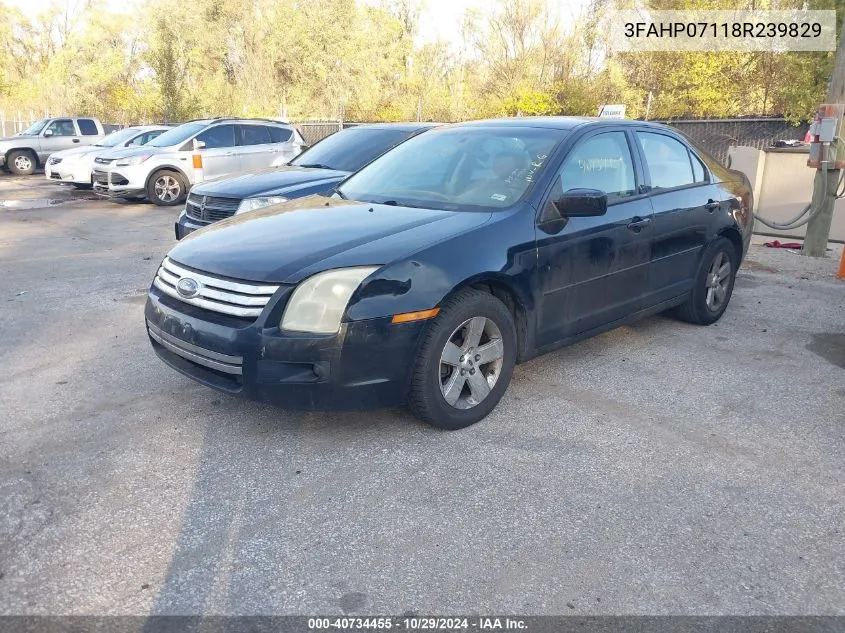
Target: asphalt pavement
x,y
660,468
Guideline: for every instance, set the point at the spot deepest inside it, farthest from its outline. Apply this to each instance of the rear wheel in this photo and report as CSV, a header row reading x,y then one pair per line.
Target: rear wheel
x,y
465,361
166,188
22,163
714,284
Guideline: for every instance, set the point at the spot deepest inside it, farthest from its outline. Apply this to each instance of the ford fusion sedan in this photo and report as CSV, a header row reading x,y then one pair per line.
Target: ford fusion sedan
x,y
75,165
315,171
435,269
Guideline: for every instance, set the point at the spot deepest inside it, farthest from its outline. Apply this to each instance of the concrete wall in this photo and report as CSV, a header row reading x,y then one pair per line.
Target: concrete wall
x,y
783,185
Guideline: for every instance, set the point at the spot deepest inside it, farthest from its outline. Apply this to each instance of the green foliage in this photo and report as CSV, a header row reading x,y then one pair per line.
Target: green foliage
x,y
172,61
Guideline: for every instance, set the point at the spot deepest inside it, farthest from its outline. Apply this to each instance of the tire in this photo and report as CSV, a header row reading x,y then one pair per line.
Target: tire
x,y
434,378
22,162
166,188
714,284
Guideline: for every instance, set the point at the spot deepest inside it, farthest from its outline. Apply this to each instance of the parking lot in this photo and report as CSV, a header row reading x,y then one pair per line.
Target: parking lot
x,y
659,468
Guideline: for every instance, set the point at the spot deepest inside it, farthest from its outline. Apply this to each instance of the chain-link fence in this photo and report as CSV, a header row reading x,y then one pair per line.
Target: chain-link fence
x,y
716,135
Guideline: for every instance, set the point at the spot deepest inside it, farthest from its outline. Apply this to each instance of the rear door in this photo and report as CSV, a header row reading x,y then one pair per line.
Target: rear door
x,y
255,146
58,135
594,270
218,156
683,201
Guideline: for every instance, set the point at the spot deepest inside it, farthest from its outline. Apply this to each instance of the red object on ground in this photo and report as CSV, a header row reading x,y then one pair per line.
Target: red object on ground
x,y
841,273
777,244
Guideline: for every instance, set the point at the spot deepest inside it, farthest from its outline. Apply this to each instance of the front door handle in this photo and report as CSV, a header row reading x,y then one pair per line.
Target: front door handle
x,y
76,140
638,224
711,205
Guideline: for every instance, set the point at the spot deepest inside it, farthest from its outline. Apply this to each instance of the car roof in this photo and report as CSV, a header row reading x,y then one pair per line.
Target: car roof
x,y
409,126
555,122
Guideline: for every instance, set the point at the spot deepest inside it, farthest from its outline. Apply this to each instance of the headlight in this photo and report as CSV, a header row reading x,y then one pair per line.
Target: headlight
x,y
318,303
251,204
132,160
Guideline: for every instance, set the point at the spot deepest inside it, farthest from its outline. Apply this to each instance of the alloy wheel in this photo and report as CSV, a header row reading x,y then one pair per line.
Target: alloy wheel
x,y
23,163
167,188
471,362
718,281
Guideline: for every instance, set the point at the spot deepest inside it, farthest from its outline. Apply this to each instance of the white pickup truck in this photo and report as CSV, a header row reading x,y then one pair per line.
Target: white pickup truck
x,y
24,152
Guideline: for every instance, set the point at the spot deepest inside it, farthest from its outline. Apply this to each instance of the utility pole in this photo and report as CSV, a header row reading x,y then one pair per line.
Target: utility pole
x,y
824,186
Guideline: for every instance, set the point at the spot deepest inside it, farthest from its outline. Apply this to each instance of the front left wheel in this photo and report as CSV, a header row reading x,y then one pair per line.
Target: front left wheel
x,y
167,188
465,361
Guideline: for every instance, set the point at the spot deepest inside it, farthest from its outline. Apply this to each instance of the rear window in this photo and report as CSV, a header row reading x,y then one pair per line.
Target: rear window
x,y
352,148
87,127
279,134
254,135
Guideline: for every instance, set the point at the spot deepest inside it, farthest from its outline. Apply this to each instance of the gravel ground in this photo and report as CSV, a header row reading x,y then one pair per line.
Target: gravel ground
x,y
660,468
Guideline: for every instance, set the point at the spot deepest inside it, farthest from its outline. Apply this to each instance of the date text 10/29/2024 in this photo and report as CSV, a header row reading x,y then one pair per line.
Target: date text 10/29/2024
x,y
418,623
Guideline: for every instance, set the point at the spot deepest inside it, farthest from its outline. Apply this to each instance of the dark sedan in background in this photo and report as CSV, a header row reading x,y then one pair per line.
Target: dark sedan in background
x,y
438,266
315,171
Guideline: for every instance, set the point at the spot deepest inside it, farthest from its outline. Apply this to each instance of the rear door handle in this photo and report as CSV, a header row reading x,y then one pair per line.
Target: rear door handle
x,y
711,205
639,224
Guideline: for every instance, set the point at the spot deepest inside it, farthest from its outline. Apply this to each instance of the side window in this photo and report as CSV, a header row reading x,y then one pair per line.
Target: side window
x,y
145,138
668,160
87,127
602,162
254,135
279,134
218,136
62,127
698,171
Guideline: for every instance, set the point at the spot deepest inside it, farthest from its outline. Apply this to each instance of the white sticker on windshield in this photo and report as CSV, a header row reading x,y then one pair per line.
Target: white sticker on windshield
x,y
499,197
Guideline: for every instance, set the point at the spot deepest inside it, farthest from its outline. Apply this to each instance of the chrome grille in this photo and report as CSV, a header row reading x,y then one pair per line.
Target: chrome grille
x,y
215,294
210,208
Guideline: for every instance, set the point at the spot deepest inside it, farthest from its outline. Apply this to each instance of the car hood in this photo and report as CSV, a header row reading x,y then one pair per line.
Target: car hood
x,y
78,151
131,151
268,182
287,242
17,139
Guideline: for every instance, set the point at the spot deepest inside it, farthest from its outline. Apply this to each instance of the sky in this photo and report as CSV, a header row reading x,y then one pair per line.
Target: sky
x,y
439,19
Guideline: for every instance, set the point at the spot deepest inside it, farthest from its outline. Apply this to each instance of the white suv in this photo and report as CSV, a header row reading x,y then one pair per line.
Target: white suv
x,y
74,165
164,169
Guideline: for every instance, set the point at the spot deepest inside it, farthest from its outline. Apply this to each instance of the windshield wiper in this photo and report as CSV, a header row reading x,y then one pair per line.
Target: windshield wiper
x,y
314,166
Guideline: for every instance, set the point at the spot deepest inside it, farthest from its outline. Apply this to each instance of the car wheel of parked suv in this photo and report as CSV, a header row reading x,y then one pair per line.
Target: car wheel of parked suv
x,y
21,163
714,284
465,361
166,188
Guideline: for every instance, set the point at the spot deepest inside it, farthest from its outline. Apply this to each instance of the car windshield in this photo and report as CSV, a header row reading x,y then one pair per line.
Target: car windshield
x,y
456,168
351,149
178,134
35,128
117,138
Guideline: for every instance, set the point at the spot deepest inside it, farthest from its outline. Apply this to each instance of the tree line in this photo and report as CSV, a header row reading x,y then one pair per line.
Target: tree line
x,y
307,59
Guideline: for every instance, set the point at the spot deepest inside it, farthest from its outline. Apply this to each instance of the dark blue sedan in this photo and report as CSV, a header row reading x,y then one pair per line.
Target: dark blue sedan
x,y
316,171
434,270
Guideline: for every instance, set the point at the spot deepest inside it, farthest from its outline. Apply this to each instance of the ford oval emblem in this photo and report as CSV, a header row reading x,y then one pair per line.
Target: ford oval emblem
x,y
188,288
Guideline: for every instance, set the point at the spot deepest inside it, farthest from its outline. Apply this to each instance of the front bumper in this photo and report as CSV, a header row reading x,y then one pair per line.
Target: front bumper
x,y
185,225
366,365
119,182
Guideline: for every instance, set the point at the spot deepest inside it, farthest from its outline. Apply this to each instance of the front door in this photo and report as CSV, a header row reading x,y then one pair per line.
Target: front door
x,y
219,157
58,135
594,270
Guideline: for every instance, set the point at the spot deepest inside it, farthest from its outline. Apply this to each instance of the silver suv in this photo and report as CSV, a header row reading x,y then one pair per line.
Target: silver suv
x,y
164,169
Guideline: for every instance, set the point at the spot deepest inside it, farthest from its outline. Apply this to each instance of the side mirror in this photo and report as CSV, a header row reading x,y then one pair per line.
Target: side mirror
x,y
199,144
581,203
48,132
